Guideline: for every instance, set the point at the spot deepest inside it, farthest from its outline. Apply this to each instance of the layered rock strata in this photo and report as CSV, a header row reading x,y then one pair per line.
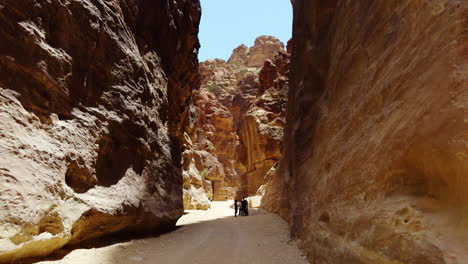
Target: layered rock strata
x,y
211,147
261,127
93,97
238,116
375,162
264,48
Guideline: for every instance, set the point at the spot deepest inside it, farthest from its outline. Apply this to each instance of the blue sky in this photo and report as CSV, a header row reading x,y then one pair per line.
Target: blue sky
x,y
226,24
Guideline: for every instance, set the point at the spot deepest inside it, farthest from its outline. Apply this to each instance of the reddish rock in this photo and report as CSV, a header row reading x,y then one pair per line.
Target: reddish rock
x,y
265,48
213,142
240,55
235,103
262,124
272,70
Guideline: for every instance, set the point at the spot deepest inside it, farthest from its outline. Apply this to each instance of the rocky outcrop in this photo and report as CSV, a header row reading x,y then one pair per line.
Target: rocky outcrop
x,y
264,48
239,56
200,168
92,104
262,124
212,146
375,161
238,117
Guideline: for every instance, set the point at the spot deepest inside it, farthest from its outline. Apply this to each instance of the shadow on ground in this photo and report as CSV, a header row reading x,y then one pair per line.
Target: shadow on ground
x,y
100,242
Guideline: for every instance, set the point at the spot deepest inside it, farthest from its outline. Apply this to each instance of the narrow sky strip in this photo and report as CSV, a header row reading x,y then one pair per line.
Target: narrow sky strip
x,y
226,24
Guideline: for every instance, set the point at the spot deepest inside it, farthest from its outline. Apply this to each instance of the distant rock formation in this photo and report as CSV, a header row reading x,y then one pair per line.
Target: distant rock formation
x,y
262,124
265,48
238,118
375,167
240,55
92,104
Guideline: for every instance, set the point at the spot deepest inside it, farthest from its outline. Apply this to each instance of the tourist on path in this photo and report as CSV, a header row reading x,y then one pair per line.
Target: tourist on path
x,y
241,208
235,207
245,207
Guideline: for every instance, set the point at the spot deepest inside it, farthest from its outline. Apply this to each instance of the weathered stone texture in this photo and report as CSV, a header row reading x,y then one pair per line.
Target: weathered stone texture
x,y
238,118
262,124
264,48
375,164
92,97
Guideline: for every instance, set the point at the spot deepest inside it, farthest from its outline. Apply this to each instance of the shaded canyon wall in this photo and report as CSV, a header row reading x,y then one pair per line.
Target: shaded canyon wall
x,y
93,99
375,167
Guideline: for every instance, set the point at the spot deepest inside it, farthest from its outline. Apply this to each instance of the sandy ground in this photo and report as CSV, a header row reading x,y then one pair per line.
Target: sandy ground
x,y
213,236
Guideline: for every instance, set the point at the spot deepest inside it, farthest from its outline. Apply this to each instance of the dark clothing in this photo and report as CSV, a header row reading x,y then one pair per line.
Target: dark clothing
x,y
235,208
245,207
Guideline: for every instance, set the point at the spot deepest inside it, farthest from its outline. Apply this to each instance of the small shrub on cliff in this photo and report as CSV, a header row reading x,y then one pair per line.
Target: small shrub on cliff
x,y
204,173
214,88
243,73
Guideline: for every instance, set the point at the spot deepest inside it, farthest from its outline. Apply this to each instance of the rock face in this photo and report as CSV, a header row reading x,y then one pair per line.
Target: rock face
x,y
376,161
262,124
237,120
265,48
212,144
93,98
240,55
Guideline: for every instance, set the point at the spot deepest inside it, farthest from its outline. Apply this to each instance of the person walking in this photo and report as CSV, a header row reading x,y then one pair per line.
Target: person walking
x,y
241,209
246,207
235,208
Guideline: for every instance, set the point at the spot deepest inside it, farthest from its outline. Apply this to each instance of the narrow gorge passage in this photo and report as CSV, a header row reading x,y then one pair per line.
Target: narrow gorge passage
x,y
352,128
213,236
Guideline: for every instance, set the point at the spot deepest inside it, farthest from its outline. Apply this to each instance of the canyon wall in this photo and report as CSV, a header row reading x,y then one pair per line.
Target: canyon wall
x,y
235,134
376,161
93,99
262,124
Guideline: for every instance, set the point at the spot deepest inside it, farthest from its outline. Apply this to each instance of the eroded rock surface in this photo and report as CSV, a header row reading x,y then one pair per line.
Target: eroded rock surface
x,y
375,165
265,48
262,124
238,119
93,97
211,148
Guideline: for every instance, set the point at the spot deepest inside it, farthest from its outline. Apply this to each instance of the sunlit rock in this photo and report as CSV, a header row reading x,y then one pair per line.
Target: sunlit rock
x,y
92,104
375,162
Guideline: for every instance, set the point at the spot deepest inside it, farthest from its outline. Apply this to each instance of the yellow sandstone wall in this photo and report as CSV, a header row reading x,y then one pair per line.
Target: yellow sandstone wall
x,y
375,168
93,95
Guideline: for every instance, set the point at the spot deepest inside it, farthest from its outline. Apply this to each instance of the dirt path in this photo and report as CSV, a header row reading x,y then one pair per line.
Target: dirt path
x,y
204,237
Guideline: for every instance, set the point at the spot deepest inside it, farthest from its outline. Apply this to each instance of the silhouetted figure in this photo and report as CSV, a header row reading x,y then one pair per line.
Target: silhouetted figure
x,y
241,208
235,207
245,207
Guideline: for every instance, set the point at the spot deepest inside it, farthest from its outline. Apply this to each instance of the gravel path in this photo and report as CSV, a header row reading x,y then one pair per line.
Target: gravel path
x,y
204,237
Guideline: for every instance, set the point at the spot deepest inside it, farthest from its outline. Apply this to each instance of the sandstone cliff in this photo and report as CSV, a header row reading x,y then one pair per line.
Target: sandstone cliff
x,y
212,144
261,127
238,118
93,97
375,162
264,48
